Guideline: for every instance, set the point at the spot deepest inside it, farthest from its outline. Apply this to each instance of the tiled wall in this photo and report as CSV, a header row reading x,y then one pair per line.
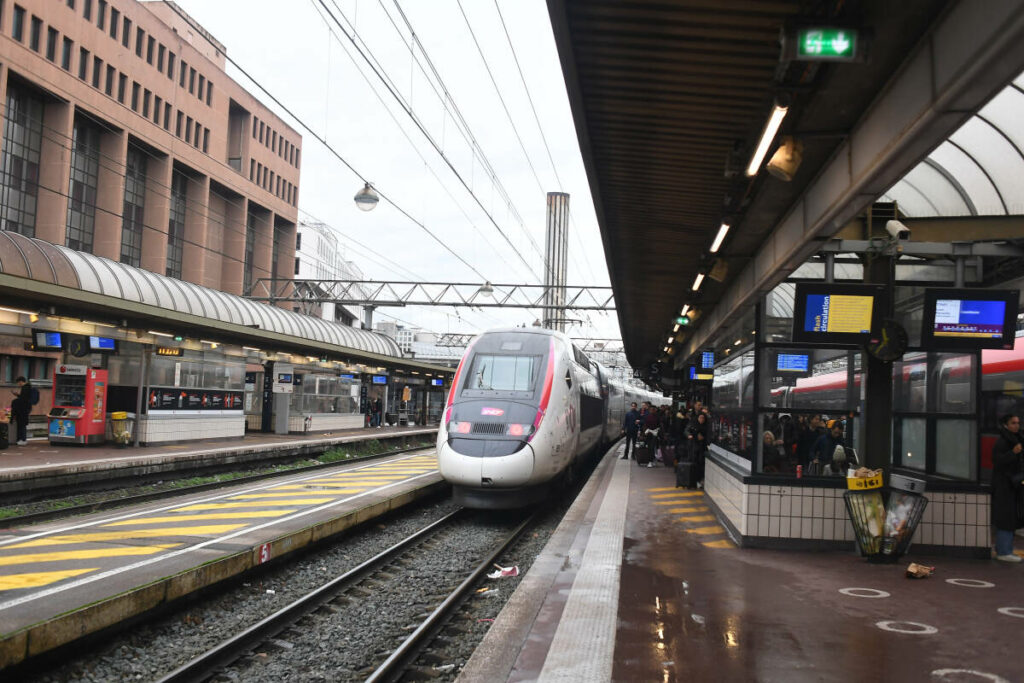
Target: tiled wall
x,y
188,428
324,423
759,511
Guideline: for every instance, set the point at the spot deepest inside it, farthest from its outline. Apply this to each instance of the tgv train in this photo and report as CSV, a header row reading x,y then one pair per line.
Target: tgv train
x,y
525,408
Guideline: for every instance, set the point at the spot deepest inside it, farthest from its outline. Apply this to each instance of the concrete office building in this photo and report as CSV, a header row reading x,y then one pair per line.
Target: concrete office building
x,y
319,256
124,137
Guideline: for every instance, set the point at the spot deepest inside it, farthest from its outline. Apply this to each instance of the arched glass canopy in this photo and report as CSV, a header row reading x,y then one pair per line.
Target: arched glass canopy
x,y
978,171
39,260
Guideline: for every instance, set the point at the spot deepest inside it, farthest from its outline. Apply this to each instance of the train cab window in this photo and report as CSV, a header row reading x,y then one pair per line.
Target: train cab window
x,y
503,373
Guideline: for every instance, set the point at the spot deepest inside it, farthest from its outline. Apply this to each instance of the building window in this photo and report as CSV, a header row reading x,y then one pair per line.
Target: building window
x,y
135,96
71,4
188,128
206,141
122,85
18,24
177,125
167,115
160,57
261,132
191,81
114,23
298,241
182,71
150,46
176,224
296,270
134,203
250,246
101,15
34,32
157,107
126,32
252,169
146,96
111,75
83,59
97,72
209,93
170,65
140,40
85,166
51,44
87,10
19,175
255,127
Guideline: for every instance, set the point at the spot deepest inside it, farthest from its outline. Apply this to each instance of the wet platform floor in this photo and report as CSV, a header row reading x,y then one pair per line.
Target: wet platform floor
x,y
691,606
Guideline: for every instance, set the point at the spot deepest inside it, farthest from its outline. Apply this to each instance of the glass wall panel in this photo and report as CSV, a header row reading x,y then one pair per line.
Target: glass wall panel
x,y
910,440
85,168
19,169
910,384
322,392
955,448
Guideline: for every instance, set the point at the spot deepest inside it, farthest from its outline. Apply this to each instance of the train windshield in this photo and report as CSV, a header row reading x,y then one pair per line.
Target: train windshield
x,y
503,373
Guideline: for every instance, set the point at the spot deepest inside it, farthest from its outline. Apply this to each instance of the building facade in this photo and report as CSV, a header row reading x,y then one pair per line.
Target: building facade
x,y
319,256
124,137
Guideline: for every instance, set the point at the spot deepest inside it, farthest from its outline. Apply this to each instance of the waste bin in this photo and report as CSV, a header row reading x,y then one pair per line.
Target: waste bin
x,y
884,530
121,428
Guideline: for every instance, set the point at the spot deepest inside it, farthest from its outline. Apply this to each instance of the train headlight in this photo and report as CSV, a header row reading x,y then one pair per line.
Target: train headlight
x,y
518,429
463,427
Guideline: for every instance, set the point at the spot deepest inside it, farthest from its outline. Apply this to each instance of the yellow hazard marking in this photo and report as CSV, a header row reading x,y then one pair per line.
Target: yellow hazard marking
x,y
97,536
673,502
705,530
718,544
698,518
676,511
35,579
664,488
680,494
323,489
198,518
62,555
286,494
251,504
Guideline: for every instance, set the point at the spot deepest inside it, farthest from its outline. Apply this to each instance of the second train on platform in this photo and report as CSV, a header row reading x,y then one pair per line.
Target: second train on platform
x,y
525,408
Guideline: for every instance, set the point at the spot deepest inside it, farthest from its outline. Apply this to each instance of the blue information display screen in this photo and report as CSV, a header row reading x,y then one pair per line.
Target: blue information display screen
x,y
970,319
792,362
838,313
437,382
707,360
48,340
101,344
380,379
346,376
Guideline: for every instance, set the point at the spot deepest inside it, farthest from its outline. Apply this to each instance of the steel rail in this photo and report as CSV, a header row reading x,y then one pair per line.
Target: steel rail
x,y
208,664
406,653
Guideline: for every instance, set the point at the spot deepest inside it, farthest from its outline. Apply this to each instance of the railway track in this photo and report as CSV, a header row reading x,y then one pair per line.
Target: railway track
x,y
449,556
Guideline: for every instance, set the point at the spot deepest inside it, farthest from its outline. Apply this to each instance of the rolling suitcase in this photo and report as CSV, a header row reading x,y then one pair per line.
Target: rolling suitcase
x,y
643,455
686,474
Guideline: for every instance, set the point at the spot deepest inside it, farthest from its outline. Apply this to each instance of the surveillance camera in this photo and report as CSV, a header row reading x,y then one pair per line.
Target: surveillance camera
x,y
897,230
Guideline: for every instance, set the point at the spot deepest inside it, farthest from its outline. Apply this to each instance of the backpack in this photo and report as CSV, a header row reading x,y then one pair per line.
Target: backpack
x,y
35,396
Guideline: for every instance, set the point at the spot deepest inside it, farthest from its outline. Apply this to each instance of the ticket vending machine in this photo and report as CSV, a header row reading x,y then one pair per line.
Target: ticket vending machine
x,y
79,405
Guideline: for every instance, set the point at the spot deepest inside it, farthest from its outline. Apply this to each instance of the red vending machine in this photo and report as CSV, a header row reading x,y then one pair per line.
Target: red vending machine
x,y
79,405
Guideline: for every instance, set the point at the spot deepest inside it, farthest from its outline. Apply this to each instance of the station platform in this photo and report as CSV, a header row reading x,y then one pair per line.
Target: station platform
x,y
41,466
642,582
66,579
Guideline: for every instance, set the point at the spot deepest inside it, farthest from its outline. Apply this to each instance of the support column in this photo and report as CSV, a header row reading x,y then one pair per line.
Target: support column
x,y
55,172
236,211
197,209
110,194
156,214
877,439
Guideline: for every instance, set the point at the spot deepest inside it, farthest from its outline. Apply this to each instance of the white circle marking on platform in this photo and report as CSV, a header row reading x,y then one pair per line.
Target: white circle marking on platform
x,y
943,673
1012,611
912,627
971,583
864,593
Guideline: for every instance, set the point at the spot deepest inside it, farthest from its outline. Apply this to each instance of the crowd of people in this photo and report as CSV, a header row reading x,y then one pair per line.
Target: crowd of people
x,y
684,435
809,442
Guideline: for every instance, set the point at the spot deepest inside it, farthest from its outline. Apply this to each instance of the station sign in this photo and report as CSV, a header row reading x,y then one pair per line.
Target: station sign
x,y
825,43
169,351
284,379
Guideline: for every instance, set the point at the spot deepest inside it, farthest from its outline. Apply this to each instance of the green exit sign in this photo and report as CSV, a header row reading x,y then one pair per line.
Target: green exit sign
x,y
826,44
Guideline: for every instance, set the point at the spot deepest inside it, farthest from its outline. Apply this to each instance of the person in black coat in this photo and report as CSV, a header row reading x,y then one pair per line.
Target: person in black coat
x,y
630,425
1007,485
21,406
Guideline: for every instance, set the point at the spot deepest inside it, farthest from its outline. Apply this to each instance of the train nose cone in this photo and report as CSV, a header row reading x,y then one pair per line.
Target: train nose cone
x,y
515,469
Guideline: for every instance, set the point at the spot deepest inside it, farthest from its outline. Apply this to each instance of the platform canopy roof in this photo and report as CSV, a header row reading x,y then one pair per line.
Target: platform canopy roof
x,y
670,99
36,272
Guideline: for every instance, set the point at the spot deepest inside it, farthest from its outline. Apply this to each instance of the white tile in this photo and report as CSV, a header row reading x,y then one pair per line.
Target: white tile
x,y
948,535
762,525
960,535
805,528
971,513
924,532
773,527
774,505
828,530
817,511
960,514
785,505
752,503
786,525
816,528
838,508
807,505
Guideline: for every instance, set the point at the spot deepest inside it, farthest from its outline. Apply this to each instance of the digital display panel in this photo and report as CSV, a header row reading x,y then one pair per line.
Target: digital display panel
x,y
346,376
707,360
437,382
967,319
842,313
700,376
380,379
826,313
102,344
284,378
48,340
792,362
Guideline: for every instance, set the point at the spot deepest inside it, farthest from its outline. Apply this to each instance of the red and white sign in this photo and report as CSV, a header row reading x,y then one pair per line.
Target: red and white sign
x,y
493,412
264,553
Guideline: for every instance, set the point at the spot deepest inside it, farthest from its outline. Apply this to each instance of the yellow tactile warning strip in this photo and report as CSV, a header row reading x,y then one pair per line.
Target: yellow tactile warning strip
x,y
694,516
206,521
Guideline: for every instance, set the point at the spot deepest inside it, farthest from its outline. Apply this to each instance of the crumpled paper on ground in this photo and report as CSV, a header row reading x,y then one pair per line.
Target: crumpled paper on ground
x,y
919,571
502,572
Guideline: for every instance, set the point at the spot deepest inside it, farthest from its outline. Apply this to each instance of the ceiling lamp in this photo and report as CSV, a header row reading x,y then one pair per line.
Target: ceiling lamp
x,y
720,237
366,199
771,127
697,281
786,160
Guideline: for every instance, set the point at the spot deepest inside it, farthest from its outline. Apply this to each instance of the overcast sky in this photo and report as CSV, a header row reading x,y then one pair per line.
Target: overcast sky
x,y
315,72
